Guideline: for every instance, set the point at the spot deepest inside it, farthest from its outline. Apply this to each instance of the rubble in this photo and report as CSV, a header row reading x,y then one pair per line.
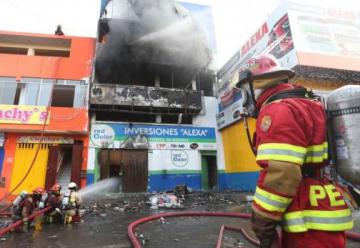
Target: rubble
x,y
165,201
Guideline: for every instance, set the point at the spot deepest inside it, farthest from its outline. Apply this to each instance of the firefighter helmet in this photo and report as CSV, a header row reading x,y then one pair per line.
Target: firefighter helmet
x,y
264,67
72,186
56,187
38,191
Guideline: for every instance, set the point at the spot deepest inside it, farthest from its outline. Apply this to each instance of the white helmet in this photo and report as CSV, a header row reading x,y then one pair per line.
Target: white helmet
x,y
72,185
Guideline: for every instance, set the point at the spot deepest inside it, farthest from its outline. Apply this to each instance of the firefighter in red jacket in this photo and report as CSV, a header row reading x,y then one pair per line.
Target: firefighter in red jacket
x,y
54,200
292,149
26,207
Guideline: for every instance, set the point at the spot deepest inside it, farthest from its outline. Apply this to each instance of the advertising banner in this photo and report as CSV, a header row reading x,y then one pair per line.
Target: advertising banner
x,y
274,37
18,114
161,137
174,160
329,28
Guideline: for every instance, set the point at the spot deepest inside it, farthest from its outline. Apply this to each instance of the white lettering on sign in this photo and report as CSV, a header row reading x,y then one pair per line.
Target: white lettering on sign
x,y
159,131
179,158
102,135
151,131
194,132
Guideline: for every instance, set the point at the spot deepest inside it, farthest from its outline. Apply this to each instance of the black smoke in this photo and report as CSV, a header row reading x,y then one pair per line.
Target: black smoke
x,y
153,38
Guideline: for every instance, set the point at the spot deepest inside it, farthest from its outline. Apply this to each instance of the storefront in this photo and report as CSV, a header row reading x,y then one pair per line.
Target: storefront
x,y
42,146
152,157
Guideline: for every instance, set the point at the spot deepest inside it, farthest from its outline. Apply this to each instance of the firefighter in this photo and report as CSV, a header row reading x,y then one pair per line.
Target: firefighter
x,y
291,147
16,206
55,201
26,206
71,203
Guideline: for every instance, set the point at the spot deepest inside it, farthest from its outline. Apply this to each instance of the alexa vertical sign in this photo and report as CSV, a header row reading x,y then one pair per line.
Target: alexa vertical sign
x,y
274,37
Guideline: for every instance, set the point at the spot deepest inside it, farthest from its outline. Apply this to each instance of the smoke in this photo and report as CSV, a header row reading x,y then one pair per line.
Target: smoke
x,y
153,38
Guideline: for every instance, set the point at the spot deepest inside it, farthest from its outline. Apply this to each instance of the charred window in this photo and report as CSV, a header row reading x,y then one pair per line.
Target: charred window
x,y
123,116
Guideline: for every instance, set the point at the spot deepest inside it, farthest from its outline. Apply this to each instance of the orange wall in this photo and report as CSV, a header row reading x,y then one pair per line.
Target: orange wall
x,y
10,148
77,66
62,120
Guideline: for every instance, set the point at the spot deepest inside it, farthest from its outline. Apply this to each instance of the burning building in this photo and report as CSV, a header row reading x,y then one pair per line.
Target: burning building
x,y
152,90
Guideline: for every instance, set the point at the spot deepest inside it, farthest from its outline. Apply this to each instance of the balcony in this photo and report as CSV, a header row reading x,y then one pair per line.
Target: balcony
x,y
143,98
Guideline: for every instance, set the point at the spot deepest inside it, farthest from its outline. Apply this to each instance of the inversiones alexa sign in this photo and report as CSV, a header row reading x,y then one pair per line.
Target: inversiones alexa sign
x,y
158,136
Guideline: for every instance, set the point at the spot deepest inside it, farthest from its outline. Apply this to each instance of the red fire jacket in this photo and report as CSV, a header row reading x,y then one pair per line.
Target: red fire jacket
x,y
294,130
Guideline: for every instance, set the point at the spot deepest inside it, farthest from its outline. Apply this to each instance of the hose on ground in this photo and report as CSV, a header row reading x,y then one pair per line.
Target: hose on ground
x,y
136,244
133,225
19,222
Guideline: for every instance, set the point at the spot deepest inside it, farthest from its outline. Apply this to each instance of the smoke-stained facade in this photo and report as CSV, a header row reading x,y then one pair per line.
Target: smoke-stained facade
x,y
152,75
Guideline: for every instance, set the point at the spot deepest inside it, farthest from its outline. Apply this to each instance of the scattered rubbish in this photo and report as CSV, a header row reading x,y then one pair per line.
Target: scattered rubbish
x,y
249,198
181,191
165,201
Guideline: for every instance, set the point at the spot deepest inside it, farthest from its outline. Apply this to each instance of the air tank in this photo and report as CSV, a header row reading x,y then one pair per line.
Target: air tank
x,y
343,105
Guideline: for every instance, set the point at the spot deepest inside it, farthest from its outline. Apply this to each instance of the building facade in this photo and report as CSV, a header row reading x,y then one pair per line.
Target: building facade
x,y
44,124
151,101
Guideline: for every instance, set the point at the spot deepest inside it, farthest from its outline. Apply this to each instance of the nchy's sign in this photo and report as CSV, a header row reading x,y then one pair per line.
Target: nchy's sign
x,y
17,114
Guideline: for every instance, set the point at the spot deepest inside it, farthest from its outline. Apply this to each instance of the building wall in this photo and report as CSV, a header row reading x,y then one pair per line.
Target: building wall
x,y
241,169
208,118
64,122
76,67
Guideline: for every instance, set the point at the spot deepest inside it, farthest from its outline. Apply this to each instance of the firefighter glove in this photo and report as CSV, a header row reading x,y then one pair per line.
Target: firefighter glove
x,y
265,229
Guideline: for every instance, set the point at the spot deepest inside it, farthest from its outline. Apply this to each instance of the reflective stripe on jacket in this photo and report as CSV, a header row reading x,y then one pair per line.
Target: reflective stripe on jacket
x,y
291,153
302,221
294,131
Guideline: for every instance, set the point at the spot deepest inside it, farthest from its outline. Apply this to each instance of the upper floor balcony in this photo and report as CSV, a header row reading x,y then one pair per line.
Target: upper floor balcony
x,y
138,98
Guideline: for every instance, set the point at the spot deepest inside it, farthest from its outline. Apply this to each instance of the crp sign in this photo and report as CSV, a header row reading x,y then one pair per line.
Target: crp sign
x,y
179,158
102,135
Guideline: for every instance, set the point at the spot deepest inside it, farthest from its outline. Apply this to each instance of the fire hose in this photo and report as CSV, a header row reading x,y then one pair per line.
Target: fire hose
x,y
19,222
133,225
136,244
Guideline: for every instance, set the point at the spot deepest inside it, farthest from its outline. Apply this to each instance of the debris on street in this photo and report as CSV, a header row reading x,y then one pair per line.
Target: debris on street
x,y
165,201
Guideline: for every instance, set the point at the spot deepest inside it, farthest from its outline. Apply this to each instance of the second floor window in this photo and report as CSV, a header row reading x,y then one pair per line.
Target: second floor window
x,y
37,91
